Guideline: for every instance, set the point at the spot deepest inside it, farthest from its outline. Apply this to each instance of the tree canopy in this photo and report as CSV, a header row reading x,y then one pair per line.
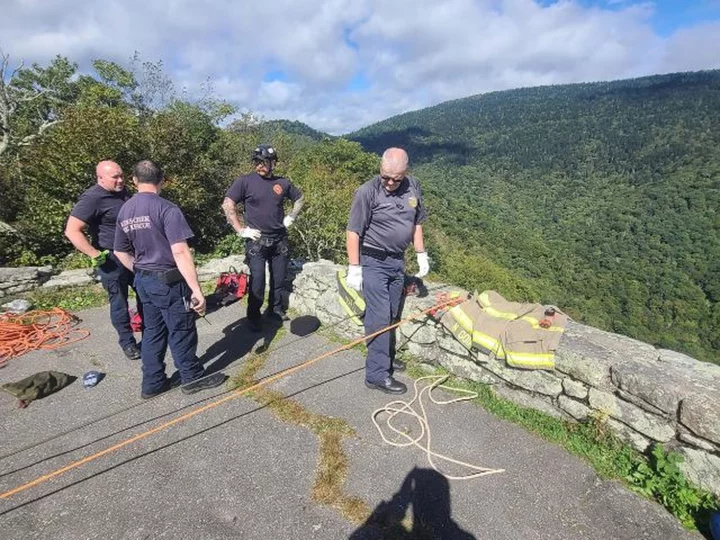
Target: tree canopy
x,y
602,198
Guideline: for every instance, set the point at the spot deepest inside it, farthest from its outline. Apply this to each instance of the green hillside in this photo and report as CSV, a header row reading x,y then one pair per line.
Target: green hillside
x,y
603,198
294,127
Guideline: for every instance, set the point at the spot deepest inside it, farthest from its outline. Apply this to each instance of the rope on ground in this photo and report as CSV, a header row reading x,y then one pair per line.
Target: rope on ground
x,y
441,300
211,405
39,329
400,407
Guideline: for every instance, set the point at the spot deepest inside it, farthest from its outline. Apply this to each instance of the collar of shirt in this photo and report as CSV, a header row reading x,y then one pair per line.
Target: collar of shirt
x,y
402,188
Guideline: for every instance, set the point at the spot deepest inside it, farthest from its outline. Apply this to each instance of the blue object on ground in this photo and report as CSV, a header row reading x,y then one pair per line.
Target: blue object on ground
x,y
91,378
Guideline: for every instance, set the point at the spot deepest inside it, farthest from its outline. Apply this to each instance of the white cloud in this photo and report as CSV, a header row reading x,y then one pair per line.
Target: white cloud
x,y
414,53
693,49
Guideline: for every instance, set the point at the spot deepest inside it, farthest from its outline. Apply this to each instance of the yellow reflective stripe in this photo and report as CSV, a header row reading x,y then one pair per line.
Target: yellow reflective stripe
x,y
535,323
499,314
462,318
487,306
541,360
462,336
352,302
356,297
349,311
489,343
484,299
352,293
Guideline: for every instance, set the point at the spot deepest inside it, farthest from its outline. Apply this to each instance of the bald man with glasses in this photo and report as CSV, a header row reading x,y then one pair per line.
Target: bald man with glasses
x,y
385,218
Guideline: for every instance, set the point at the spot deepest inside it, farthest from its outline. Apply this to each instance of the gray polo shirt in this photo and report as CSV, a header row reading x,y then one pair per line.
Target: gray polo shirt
x,y
386,219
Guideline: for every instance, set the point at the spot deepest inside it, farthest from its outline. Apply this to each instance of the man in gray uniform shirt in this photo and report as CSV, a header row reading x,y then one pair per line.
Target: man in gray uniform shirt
x,y
386,216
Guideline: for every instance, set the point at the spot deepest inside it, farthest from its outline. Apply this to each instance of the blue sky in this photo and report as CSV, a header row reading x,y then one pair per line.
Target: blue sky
x,y
670,15
339,65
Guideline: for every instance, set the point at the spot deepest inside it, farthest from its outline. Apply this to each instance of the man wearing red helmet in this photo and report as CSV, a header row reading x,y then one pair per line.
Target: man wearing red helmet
x,y
264,226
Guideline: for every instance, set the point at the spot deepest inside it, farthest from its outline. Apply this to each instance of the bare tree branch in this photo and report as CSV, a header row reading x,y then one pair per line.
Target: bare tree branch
x,y
43,127
28,99
12,96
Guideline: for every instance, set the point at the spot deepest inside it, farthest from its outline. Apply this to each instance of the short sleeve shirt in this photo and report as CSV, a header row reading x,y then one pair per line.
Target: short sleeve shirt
x,y
148,226
386,219
263,199
98,208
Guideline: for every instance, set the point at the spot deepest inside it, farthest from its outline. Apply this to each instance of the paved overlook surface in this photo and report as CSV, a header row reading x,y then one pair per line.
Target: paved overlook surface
x,y
238,471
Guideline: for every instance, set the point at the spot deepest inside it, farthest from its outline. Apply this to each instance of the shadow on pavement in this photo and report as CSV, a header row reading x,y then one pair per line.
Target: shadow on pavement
x,y
428,492
239,340
170,444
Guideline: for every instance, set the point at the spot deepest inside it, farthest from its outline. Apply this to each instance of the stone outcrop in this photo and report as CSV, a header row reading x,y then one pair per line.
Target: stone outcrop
x,y
645,395
19,280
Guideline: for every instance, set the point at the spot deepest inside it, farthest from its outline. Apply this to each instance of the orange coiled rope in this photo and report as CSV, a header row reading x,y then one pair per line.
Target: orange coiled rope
x,y
40,329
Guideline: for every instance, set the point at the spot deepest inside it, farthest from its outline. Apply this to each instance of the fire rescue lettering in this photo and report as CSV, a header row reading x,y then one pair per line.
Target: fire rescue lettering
x,y
136,223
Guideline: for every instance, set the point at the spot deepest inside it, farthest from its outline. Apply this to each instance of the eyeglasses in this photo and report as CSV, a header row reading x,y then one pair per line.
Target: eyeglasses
x,y
397,179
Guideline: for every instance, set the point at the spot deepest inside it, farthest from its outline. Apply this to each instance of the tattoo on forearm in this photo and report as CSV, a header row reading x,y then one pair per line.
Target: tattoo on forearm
x,y
297,206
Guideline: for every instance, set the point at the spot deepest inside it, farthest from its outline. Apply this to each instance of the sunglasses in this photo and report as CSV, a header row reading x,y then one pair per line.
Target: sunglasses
x,y
385,178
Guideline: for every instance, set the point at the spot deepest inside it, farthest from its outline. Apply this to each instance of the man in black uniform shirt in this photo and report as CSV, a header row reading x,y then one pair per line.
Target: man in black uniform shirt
x,y
265,229
97,210
151,239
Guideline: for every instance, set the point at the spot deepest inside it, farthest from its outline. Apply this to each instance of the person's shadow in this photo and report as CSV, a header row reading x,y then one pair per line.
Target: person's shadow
x,y
429,494
239,340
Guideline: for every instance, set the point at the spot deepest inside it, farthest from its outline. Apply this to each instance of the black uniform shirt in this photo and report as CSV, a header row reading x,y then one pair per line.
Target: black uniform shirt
x,y
386,219
147,226
263,200
98,208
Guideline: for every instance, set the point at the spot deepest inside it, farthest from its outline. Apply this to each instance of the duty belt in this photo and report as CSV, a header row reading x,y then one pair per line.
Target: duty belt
x,y
381,254
166,276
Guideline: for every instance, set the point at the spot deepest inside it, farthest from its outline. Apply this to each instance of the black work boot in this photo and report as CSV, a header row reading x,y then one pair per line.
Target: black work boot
x,y
204,383
398,365
164,388
389,386
132,352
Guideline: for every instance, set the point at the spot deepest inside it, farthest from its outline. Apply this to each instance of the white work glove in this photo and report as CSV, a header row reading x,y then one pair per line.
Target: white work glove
x,y
252,234
354,277
423,264
289,220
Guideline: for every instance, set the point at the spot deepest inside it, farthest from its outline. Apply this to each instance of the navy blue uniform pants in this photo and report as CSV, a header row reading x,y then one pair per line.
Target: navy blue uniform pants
x,y
116,280
275,252
382,289
167,322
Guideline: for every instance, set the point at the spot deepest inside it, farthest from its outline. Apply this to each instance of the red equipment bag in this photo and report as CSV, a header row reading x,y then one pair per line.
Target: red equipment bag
x,y
231,286
135,320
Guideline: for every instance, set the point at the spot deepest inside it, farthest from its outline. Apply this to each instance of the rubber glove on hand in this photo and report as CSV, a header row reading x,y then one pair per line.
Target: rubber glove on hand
x,y
99,259
423,264
289,220
252,234
354,277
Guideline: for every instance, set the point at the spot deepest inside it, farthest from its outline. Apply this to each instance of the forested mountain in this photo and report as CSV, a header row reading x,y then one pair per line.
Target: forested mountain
x,y
603,198
294,127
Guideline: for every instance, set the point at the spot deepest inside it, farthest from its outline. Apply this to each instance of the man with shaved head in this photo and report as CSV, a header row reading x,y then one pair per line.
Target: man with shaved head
x,y
386,216
96,211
